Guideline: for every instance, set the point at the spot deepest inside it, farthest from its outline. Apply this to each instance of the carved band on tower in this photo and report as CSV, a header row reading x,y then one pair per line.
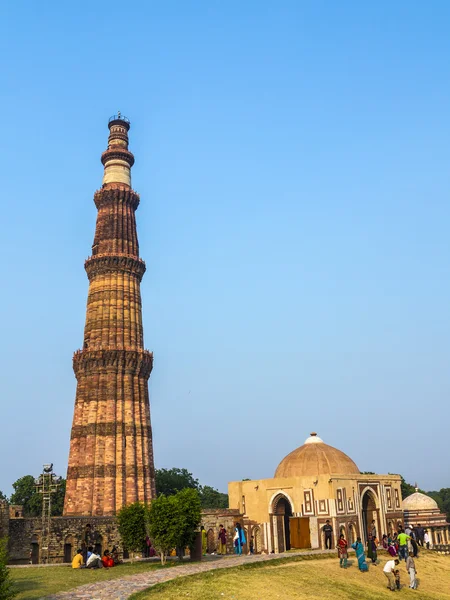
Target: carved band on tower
x,y
111,450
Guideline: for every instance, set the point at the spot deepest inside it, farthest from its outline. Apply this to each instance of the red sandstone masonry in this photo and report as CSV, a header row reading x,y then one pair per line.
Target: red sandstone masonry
x,y
111,451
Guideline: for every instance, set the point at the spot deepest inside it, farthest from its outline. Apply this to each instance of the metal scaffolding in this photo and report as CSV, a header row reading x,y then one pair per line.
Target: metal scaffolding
x,y
47,484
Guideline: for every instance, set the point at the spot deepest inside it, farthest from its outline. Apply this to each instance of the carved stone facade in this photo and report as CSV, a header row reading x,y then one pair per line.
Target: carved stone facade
x,y
111,452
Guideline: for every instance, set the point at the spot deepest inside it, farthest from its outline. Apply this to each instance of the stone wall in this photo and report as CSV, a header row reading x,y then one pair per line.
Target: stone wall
x,y
69,533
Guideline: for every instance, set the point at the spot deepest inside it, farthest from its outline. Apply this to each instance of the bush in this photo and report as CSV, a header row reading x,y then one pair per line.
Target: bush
x,y
6,587
174,520
132,526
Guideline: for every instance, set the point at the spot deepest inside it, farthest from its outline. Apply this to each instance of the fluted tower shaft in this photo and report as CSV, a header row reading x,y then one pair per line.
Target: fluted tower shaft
x,y
111,451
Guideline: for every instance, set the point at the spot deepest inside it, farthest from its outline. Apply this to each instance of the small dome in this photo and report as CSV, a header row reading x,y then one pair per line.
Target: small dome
x,y
316,458
419,501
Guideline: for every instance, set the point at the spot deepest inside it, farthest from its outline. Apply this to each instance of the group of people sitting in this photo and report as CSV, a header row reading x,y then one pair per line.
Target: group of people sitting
x,y
91,560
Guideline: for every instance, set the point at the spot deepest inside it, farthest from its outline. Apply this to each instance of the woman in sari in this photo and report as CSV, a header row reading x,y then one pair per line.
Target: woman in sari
x,y
239,539
342,551
359,549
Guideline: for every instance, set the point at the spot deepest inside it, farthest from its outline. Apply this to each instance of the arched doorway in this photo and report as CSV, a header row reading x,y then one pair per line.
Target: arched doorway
x,y
210,541
282,510
98,546
34,553
257,539
352,535
68,549
369,512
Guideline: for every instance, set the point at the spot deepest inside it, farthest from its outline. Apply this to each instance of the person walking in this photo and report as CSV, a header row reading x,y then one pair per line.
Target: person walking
x,y
388,570
239,539
411,568
403,545
204,540
342,549
426,539
222,540
361,557
328,531
415,547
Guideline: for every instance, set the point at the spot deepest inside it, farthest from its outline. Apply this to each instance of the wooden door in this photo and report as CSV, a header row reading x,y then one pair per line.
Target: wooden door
x,y
300,536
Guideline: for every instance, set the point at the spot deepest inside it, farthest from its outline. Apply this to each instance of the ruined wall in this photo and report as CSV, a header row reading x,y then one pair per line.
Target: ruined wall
x,y
69,533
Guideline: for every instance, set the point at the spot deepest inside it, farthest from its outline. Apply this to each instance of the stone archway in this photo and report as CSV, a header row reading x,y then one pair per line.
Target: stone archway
x,y
257,540
34,553
68,549
369,505
210,541
282,511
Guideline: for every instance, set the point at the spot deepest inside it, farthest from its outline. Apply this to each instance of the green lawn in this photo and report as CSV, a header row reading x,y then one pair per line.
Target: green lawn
x,y
36,582
306,580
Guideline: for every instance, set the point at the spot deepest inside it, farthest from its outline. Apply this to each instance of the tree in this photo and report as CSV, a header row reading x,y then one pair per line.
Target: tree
x,y
443,499
131,521
25,494
2,496
212,498
7,590
171,481
173,521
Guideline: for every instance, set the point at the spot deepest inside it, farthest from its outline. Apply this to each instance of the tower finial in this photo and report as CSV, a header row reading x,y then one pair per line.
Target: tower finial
x,y
416,487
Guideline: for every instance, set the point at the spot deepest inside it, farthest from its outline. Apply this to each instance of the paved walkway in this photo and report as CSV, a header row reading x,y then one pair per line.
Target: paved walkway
x,y
123,588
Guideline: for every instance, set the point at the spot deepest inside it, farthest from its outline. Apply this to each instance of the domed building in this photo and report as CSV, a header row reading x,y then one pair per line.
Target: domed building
x,y
421,510
313,484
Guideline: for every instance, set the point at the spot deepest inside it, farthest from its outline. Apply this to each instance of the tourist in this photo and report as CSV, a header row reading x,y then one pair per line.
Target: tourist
x,y
403,545
94,561
420,534
115,555
107,559
328,531
359,549
426,539
372,549
392,549
397,579
251,546
204,540
408,530
373,529
78,561
388,570
222,540
411,568
90,550
342,549
415,547
385,541
239,539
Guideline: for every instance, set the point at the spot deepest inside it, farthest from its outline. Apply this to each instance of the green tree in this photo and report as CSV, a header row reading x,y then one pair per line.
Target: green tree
x,y
171,481
25,494
2,496
212,498
7,590
131,521
173,521
443,499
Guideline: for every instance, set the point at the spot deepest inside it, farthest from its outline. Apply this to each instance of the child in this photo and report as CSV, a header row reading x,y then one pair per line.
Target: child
x,y
397,578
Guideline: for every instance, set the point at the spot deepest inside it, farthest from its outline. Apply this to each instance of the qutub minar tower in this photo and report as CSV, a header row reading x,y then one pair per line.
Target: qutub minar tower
x,y
111,452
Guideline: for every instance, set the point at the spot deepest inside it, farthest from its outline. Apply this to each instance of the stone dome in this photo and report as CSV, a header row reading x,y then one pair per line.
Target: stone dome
x,y
315,458
419,501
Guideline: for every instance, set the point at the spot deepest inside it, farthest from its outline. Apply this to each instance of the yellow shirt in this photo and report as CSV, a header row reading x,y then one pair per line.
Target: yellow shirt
x,y
77,561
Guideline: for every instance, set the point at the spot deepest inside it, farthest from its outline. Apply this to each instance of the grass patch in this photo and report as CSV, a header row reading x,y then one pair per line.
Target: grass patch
x,y
306,578
33,583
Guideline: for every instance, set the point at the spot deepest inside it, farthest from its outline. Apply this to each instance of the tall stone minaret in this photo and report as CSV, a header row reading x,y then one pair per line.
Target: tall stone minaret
x,y
111,452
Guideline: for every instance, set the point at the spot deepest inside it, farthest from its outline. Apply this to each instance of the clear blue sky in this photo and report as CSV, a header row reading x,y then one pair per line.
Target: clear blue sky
x,y
293,165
